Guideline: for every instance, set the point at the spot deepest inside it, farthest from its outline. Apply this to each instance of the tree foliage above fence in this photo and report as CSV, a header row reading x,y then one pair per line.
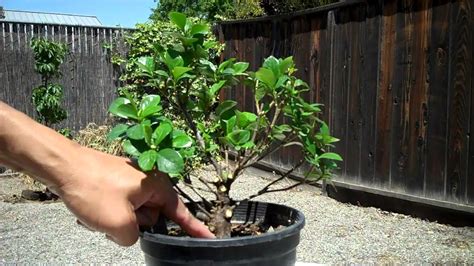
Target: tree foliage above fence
x,y
232,9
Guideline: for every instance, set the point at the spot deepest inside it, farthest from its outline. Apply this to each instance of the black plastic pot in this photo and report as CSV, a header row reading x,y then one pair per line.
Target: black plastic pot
x,y
272,249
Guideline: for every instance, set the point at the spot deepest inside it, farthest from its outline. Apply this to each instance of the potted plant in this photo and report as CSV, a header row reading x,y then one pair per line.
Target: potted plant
x,y
176,120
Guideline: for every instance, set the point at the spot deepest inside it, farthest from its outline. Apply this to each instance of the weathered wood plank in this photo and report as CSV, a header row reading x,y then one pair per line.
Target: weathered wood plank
x,y
340,86
356,17
385,97
470,176
436,138
459,100
370,48
418,99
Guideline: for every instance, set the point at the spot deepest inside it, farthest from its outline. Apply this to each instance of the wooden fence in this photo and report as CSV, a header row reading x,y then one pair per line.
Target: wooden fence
x,y
89,79
395,77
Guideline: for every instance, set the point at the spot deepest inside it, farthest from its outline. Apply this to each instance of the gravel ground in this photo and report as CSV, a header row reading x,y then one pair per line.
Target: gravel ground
x,y
334,233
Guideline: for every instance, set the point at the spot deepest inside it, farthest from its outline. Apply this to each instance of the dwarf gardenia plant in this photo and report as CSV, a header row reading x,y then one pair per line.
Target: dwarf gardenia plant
x,y
181,120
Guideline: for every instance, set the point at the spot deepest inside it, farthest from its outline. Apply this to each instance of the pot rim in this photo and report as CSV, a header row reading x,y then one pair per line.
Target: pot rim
x,y
236,241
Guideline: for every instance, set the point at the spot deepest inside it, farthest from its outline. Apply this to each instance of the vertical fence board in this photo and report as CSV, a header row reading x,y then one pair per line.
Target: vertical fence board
x,y
470,176
436,152
418,98
459,96
370,47
354,112
340,85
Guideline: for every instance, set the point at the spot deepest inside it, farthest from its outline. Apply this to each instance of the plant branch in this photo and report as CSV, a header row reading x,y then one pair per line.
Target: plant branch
x,y
283,176
199,138
186,196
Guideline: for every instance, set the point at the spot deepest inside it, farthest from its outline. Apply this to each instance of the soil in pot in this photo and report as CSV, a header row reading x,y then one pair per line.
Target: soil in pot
x,y
250,246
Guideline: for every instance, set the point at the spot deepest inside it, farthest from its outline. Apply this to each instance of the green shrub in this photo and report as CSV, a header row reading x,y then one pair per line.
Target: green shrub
x,y
47,97
180,119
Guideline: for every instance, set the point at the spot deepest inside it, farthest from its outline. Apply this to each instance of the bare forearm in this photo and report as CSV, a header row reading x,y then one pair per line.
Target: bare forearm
x,y
30,147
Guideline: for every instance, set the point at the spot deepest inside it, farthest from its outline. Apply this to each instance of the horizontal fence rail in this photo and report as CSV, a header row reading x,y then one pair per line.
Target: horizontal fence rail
x,y
395,78
89,78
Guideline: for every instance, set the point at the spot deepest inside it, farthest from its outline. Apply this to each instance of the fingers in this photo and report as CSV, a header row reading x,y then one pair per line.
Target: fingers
x,y
122,229
177,211
147,216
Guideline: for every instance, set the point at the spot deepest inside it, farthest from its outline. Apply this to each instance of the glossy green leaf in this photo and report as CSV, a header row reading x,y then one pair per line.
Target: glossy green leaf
x,y
273,64
147,133
330,156
240,67
150,105
150,100
245,118
286,64
163,130
224,107
260,92
170,161
178,19
199,29
230,124
127,111
239,137
150,110
130,149
217,87
113,109
136,132
267,77
117,132
178,72
147,160
226,64
146,64
183,141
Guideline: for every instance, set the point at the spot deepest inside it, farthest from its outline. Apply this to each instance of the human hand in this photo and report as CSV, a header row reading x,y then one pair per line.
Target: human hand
x,y
110,195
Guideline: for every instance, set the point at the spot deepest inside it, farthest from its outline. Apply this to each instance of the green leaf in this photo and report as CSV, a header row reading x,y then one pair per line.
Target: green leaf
x,y
240,67
170,161
150,110
286,64
224,107
225,64
330,156
113,109
281,81
178,72
267,77
149,105
171,62
300,83
239,137
273,64
199,29
162,73
163,130
127,111
230,124
260,92
136,132
245,118
130,149
147,160
117,132
179,19
217,87
150,100
146,64
182,141
147,133
324,129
